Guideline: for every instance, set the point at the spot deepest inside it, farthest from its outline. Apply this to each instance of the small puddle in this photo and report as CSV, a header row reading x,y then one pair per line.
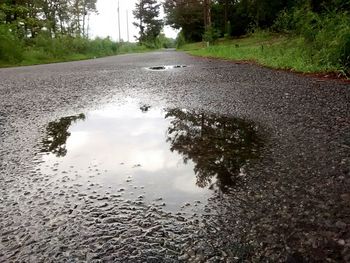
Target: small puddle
x,y
166,67
175,157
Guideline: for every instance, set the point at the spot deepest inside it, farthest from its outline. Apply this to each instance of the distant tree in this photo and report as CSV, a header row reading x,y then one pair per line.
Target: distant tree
x,y
79,11
231,17
187,15
147,13
57,17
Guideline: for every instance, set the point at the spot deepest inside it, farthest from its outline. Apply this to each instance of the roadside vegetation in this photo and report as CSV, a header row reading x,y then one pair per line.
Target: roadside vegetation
x,y
44,49
305,36
36,32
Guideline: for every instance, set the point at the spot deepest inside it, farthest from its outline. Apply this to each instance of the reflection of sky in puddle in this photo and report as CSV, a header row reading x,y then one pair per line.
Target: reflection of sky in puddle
x,y
176,155
123,147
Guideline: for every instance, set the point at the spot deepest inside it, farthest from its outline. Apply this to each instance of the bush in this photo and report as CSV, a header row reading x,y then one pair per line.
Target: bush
x,y
164,42
11,47
44,49
211,35
332,40
102,47
326,36
180,40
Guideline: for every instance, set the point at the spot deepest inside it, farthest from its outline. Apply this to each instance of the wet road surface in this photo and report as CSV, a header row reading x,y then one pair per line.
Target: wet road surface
x,y
106,160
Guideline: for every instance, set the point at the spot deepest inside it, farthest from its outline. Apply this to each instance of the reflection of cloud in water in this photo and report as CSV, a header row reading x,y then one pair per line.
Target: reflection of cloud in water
x,y
184,182
130,111
150,160
128,140
77,140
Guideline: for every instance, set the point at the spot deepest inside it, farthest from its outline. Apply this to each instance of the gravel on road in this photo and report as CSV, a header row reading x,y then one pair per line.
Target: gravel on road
x,y
293,205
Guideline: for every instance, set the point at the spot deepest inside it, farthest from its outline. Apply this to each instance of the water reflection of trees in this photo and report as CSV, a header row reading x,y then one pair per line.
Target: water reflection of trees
x,y
219,146
57,135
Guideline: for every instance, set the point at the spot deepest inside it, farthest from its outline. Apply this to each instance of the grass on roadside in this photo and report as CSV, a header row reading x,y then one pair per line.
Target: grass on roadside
x,y
43,49
36,57
271,50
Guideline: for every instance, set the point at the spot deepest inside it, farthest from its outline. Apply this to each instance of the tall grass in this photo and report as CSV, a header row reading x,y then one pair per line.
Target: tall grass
x,y
326,36
305,42
11,47
274,51
44,49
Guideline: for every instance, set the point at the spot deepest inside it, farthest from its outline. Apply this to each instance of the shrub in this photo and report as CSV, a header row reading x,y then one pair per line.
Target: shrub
x,y
211,35
180,40
326,35
43,48
11,47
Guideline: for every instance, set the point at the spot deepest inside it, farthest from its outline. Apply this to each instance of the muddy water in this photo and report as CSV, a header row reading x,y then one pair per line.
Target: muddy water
x,y
172,158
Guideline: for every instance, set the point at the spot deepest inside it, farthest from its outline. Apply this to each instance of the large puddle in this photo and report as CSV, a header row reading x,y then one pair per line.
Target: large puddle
x,y
173,158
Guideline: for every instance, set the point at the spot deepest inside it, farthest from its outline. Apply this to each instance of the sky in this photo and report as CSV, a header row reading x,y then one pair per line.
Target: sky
x,y
105,23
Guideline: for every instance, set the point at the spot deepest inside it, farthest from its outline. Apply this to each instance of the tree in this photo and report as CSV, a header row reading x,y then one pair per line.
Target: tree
x,y
55,16
146,12
207,14
187,15
80,9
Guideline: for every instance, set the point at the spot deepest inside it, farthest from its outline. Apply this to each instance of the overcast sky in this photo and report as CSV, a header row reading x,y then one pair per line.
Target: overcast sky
x,y
105,23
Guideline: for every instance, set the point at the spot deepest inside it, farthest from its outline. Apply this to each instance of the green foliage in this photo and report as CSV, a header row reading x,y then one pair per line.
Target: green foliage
x,y
272,50
211,35
11,47
58,17
146,13
34,32
44,49
180,40
187,16
131,48
163,42
332,40
326,36
317,33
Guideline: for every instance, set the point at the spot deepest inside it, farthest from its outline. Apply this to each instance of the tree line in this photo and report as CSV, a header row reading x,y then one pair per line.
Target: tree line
x,y
238,17
45,31
40,31
320,29
31,17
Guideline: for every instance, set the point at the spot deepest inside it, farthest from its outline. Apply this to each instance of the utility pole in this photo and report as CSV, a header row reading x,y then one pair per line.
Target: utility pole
x,y
127,24
84,17
119,38
88,26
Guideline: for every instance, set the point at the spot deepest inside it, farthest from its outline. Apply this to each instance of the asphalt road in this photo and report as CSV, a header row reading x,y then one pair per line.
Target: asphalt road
x,y
293,205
